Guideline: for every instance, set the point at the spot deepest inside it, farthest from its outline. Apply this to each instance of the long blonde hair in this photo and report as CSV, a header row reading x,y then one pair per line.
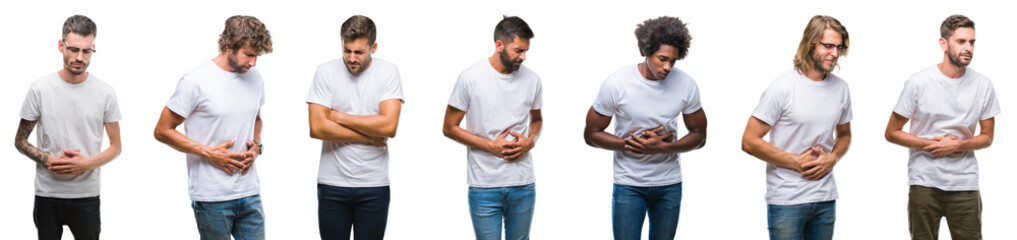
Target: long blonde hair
x,y
813,33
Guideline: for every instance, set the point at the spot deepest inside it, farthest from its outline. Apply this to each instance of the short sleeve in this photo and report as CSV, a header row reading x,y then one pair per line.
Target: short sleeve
x,y
185,98
538,97
991,107
607,99
393,87
907,102
111,113
692,103
321,89
460,98
771,104
30,107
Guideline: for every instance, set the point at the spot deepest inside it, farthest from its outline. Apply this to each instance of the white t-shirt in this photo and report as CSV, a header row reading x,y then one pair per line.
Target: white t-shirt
x,y
802,113
938,105
218,106
638,104
494,102
354,164
69,116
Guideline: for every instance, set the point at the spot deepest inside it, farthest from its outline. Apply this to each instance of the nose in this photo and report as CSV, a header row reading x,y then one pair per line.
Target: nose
x,y
79,56
667,66
835,52
522,56
254,60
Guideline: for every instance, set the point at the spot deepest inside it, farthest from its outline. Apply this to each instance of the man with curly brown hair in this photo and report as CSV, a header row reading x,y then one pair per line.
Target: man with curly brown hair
x,y
647,172
220,101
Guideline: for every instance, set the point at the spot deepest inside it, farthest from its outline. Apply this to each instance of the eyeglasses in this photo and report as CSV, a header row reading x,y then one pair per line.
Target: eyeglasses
x,y
830,46
78,50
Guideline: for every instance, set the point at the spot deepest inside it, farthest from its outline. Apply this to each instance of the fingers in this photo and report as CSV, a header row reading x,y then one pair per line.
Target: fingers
x,y
517,135
511,151
658,129
503,134
633,149
634,143
225,144
668,135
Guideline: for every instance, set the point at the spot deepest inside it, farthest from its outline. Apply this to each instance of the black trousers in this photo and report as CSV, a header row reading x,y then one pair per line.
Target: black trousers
x,y
81,215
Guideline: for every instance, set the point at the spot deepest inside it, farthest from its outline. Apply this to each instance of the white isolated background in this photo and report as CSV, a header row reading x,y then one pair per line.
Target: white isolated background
x,y
738,47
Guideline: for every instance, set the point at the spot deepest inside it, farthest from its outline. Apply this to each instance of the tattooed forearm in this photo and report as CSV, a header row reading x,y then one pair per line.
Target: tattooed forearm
x,y
26,148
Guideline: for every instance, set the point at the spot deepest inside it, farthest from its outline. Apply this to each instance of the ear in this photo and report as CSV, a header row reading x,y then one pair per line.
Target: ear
x,y
374,47
499,46
60,46
943,43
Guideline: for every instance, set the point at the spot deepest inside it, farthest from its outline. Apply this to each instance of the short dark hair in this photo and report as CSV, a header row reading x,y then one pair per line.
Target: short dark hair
x,y
953,23
79,24
511,27
359,26
663,30
245,31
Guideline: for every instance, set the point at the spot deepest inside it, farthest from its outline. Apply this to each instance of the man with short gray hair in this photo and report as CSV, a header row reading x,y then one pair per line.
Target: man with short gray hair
x,y
72,108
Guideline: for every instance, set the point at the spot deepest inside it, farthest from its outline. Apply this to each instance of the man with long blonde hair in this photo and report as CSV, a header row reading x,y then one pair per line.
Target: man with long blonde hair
x,y
807,112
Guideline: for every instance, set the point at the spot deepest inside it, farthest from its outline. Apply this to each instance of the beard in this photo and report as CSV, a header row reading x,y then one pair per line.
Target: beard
x,y
363,65
508,63
235,65
69,63
955,59
817,64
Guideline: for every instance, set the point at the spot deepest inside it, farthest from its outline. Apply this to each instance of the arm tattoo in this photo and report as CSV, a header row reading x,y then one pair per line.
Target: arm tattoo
x,y
26,148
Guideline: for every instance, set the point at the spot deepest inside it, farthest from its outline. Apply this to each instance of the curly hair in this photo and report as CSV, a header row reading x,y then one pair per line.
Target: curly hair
x,y
245,31
813,33
358,26
663,30
953,23
510,27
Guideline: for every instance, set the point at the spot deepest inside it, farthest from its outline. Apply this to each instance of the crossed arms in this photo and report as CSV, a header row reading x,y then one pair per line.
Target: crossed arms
x,y
335,126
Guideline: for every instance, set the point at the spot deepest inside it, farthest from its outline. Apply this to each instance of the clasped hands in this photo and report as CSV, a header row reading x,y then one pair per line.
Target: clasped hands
x,y
70,163
815,163
651,141
510,150
946,145
232,162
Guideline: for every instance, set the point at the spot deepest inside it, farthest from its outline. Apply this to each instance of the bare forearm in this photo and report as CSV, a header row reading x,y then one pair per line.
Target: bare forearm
x,y
371,125
975,143
840,146
105,156
32,152
464,137
605,140
340,134
181,143
25,128
908,140
257,128
691,141
765,151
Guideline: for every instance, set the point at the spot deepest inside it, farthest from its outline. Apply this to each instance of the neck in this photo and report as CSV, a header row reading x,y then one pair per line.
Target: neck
x,y
814,75
952,71
495,61
222,61
644,70
69,77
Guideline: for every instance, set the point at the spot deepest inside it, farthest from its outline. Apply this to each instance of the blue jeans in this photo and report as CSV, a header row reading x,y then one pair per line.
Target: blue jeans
x,y
242,218
630,205
802,221
362,209
488,206
81,215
